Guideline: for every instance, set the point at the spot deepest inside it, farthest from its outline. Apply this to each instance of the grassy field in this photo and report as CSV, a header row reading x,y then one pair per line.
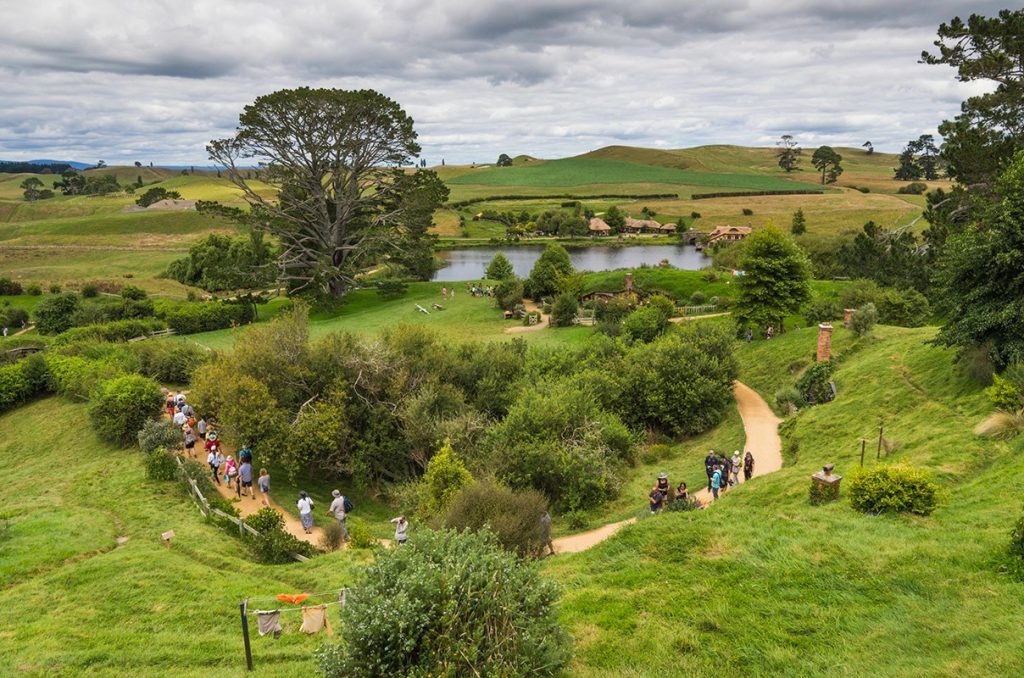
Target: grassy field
x,y
764,584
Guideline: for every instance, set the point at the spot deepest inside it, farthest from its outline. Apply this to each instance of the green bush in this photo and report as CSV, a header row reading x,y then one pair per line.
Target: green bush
x,y
814,384
905,308
77,377
446,475
90,290
160,464
552,264
14,317
55,288
266,519
22,381
157,434
789,399
199,472
332,537
449,604
864,319
359,533
645,324
190,318
513,517
500,268
576,520
893,489
1004,395
747,212
509,293
822,310
913,188
33,290
10,287
564,310
117,330
120,407
56,314
697,298
276,546
169,362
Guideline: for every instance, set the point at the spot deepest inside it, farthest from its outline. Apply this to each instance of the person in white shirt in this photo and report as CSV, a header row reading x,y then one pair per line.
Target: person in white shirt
x,y
401,529
305,506
179,417
734,470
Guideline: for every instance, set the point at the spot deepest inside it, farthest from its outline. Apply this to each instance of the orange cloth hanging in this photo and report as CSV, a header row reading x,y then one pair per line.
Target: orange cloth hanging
x,y
293,598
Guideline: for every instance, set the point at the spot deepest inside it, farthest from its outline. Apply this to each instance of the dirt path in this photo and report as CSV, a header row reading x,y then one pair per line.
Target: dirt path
x,y
543,324
761,427
688,318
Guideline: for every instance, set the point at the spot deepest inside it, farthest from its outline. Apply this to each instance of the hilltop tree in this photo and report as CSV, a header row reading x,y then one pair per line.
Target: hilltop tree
x,y
615,218
500,268
776,279
504,160
827,161
70,183
868,147
33,189
789,153
335,157
799,226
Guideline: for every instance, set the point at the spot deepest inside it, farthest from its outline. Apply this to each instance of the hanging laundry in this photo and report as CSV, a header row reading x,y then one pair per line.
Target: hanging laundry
x,y
314,619
269,621
293,598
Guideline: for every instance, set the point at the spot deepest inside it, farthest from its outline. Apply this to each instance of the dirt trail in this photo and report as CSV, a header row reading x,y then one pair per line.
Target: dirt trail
x,y
543,324
761,427
688,318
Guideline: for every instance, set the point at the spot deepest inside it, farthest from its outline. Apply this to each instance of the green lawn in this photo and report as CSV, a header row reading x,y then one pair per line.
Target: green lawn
x,y
764,584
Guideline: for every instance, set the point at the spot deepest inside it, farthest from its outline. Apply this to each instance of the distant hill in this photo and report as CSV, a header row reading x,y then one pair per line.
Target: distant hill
x,y
74,163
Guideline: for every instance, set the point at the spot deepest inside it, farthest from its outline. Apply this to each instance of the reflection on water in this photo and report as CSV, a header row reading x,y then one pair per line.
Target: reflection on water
x,y
469,264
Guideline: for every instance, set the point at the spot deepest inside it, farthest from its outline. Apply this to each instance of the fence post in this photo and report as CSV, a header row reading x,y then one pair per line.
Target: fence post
x,y
241,527
863,444
878,453
245,636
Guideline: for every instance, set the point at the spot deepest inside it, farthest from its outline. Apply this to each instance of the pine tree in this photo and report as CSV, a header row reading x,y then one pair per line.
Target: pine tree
x,y
799,223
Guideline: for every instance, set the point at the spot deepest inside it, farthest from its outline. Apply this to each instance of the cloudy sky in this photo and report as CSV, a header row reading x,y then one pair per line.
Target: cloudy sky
x,y
155,80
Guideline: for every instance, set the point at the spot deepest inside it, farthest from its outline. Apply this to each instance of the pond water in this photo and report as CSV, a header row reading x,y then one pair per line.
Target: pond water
x,y
469,264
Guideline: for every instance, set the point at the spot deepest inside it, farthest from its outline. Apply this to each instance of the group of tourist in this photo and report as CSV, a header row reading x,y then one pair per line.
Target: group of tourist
x,y
478,291
723,472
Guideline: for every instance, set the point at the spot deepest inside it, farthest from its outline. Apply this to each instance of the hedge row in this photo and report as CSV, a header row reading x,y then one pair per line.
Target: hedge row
x,y
744,194
206,316
117,330
22,381
631,196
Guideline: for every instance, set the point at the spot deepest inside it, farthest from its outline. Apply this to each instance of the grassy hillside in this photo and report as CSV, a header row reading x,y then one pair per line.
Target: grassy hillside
x,y
76,603
764,584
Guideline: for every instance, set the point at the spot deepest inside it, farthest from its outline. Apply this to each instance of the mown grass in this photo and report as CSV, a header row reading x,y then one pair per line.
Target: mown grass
x,y
75,603
764,584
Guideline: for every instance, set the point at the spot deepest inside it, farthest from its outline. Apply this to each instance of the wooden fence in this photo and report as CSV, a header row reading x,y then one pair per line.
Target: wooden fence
x,y
206,510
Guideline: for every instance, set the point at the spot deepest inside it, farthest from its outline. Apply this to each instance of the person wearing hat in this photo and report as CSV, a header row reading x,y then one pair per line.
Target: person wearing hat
x,y
734,469
337,510
663,486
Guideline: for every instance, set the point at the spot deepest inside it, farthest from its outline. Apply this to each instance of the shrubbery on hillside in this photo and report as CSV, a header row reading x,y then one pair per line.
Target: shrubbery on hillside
x,y
513,517
893,489
449,604
121,406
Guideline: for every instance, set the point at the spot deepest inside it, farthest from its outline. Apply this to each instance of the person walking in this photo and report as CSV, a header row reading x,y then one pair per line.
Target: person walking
x,y
337,509
179,417
545,533
211,459
734,468
190,441
230,472
169,405
401,528
245,479
748,465
716,482
305,505
709,466
201,428
444,293
264,485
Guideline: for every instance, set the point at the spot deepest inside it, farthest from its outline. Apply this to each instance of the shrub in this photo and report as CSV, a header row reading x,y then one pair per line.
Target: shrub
x,y
9,287
513,517
391,288
814,384
76,376
189,318
576,520
359,533
822,310
905,308
423,610
276,546
33,290
509,293
90,290
1004,394
15,317
864,319
158,434
697,298
332,537
564,310
695,215
267,519
748,212
133,293
552,264
446,475
55,314
55,288
121,406
160,464
789,400
645,324
1016,548
156,194
893,489
913,188
117,330
169,362
22,381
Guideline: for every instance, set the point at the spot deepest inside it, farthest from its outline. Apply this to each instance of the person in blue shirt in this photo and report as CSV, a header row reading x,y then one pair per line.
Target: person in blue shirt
x,y
716,481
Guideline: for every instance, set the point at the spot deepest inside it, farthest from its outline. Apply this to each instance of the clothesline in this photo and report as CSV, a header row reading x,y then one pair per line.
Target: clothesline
x,y
292,609
311,595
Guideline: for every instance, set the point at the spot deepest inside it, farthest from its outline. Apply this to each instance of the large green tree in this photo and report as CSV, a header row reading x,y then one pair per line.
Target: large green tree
x,y
775,281
335,157
982,276
827,161
788,153
553,264
500,268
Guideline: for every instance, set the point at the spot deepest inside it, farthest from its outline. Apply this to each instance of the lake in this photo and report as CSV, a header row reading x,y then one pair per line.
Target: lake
x,y
469,264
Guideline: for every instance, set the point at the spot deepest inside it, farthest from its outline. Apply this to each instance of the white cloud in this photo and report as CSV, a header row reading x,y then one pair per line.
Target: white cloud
x,y
126,80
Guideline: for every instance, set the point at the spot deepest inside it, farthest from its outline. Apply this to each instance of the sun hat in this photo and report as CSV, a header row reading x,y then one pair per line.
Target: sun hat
x,y
336,493
663,476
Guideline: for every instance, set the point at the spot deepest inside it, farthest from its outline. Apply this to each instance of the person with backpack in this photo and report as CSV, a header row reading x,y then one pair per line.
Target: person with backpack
x,y
716,482
305,506
340,508
748,465
211,459
231,473
169,404
190,441
245,479
709,466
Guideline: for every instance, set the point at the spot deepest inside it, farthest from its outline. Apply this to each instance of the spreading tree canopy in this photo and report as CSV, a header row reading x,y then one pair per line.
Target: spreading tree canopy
x,y
827,161
775,281
335,158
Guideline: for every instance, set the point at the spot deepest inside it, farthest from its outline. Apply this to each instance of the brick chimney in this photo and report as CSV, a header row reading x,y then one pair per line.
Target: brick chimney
x,y
848,317
629,283
824,341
